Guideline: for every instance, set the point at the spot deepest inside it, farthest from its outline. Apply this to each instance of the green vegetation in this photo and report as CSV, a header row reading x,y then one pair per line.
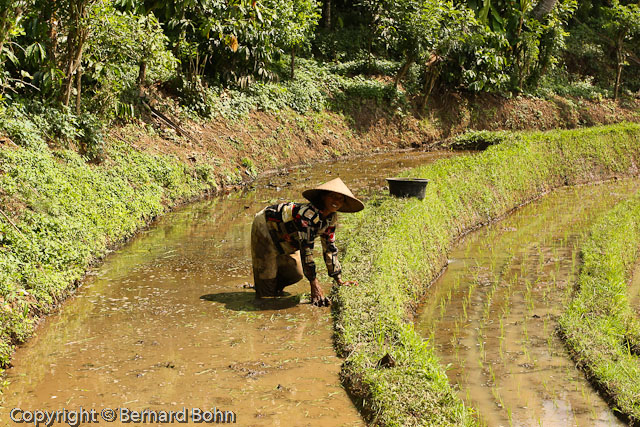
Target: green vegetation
x,y
397,247
599,327
108,59
317,87
60,213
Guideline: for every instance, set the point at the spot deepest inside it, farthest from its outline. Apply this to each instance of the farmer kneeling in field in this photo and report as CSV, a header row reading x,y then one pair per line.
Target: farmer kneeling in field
x,y
280,233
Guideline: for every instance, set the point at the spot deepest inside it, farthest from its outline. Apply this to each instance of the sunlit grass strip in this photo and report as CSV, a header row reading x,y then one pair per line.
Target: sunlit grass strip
x,y
599,326
62,213
395,248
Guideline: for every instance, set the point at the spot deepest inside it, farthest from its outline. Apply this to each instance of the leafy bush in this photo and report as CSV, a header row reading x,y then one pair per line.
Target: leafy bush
x,y
31,125
478,62
91,138
119,44
315,88
308,91
563,84
15,122
194,97
362,88
479,140
342,44
366,67
55,124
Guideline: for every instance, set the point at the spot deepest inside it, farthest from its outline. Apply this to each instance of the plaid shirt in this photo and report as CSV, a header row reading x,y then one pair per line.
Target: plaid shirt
x,y
294,226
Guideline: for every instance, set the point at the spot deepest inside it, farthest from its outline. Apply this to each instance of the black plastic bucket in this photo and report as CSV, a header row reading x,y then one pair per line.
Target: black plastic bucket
x,y
407,187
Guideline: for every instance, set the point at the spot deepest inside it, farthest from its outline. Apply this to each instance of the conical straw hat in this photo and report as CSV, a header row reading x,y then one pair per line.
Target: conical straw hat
x,y
351,204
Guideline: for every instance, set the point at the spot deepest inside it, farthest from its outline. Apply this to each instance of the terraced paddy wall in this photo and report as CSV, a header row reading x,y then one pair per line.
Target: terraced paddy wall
x,y
600,328
395,248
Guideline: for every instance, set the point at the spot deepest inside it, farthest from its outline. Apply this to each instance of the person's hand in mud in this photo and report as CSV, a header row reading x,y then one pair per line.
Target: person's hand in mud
x,y
317,297
341,282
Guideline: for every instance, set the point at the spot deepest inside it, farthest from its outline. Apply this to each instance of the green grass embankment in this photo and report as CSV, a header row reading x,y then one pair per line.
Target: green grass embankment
x,y
395,248
599,326
61,213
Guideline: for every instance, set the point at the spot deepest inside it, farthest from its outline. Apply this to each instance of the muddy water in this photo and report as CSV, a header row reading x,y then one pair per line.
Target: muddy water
x,y
493,313
166,323
634,289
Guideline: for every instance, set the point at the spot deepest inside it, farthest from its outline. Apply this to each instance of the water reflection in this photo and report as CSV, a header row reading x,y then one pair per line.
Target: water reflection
x,y
167,322
492,315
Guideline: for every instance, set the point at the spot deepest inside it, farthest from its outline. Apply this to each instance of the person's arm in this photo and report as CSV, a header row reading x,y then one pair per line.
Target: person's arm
x,y
317,296
306,222
330,254
309,267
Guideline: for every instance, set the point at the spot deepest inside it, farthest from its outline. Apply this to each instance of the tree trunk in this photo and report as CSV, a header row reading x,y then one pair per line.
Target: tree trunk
x,y
72,65
326,14
370,53
619,64
76,39
617,85
544,57
142,76
48,15
431,76
403,70
518,62
293,61
543,8
78,91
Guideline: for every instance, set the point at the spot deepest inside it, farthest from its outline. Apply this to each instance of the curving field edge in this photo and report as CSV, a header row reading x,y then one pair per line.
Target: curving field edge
x,y
396,248
599,327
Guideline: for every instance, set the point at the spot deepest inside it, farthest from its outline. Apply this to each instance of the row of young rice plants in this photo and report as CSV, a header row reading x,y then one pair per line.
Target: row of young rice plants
x,y
60,213
599,326
395,248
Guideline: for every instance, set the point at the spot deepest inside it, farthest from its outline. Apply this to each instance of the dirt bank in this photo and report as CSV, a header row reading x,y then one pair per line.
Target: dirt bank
x,y
241,149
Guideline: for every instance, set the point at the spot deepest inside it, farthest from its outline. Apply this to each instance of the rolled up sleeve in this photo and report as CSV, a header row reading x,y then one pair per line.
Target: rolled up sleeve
x,y
308,264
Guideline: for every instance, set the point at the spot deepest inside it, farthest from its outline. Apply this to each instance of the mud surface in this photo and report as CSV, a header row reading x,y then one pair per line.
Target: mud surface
x,y
634,289
492,315
167,323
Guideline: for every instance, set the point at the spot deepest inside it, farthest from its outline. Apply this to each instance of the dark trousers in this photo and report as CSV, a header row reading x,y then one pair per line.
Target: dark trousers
x,y
272,270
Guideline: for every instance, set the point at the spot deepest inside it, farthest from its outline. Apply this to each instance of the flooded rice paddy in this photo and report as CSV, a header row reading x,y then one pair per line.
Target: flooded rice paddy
x,y
492,315
166,322
634,290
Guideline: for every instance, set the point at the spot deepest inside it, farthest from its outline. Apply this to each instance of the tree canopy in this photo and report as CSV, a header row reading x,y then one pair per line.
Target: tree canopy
x,y
99,55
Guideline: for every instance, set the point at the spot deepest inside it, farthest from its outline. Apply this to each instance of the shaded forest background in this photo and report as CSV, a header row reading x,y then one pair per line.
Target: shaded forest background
x,y
72,67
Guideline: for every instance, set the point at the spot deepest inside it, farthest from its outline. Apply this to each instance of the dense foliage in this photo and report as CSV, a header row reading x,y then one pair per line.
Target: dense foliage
x,y
101,56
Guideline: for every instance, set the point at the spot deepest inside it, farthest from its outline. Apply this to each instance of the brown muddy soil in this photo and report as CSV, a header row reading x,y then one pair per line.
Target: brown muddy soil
x,y
167,322
264,141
